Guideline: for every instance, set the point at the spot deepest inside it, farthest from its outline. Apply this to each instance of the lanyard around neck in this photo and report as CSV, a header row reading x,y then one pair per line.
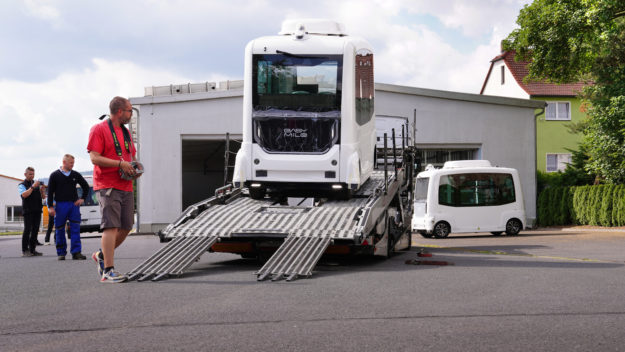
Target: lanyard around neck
x,y
126,134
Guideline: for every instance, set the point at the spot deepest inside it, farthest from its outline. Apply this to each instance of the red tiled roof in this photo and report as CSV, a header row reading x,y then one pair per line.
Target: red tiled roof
x,y
519,71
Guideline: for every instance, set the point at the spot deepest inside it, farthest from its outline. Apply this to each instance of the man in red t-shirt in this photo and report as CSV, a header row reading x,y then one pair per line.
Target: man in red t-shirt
x,y
111,151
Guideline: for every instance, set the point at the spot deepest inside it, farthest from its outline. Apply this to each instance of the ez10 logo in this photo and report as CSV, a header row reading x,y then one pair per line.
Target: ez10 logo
x,y
295,132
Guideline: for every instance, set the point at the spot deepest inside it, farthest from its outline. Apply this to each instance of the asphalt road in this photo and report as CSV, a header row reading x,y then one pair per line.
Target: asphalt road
x,y
540,291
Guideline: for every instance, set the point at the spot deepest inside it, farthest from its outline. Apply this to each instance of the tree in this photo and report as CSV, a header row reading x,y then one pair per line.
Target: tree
x,y
582,40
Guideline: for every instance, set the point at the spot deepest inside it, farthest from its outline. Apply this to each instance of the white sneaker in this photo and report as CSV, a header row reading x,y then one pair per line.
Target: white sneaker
x,y
113,276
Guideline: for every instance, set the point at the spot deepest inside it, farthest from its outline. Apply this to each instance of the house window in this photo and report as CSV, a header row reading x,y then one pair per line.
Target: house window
x,y
14,213
557,162
503,75
558,111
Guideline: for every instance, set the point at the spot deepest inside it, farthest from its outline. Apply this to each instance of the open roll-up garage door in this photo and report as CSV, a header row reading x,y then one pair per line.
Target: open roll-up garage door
x,y
203,161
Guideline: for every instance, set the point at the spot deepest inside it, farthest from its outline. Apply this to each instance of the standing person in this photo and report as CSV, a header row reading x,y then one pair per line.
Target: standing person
x,y
32,197
46,241
50,228
111,150
64,205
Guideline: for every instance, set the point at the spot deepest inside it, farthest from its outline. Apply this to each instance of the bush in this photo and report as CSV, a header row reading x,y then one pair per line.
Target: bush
x,y
605,208
601,205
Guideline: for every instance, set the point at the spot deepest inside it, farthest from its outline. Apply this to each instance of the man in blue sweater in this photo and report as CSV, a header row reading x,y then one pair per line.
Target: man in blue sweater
x,y
62,190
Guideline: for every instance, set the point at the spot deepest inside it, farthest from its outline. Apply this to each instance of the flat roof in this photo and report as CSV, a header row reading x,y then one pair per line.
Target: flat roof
x,y
449,95
169,95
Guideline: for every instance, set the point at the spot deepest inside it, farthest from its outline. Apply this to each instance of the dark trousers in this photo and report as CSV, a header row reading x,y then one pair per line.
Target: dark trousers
x,y
50,227
31,228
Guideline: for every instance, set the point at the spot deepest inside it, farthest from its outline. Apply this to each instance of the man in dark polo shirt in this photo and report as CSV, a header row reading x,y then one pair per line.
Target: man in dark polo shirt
x,y
31,195
62,190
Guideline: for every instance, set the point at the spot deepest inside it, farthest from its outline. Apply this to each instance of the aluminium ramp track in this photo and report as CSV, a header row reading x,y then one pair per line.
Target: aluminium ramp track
x,y
173,258
303,248
297,256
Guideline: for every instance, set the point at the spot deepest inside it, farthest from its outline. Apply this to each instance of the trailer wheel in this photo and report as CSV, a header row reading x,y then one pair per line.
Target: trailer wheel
x,y
257,193
496,233
513,227
441,229
425,234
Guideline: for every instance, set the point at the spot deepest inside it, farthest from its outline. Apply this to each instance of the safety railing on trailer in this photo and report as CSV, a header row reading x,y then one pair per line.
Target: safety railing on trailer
x,y
227,154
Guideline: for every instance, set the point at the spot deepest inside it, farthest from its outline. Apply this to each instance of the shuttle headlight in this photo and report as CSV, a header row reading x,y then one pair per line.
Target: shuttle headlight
x,y
337,186
255,185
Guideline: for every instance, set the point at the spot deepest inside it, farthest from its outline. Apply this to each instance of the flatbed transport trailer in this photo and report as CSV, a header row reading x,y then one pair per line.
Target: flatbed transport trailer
x,y
374,221
305,180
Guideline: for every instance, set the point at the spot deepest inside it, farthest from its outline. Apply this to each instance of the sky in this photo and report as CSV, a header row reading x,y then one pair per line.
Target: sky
x,y
61,61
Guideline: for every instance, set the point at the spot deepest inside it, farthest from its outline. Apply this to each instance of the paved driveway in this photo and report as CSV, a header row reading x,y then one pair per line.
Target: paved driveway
x,y
544,290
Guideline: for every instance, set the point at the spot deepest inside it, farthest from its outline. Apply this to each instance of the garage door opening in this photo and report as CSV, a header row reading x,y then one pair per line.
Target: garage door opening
x,y
203,168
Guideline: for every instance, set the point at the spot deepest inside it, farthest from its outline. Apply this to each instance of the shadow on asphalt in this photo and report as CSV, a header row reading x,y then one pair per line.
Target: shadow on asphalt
x,y
462,256
327,266
453,236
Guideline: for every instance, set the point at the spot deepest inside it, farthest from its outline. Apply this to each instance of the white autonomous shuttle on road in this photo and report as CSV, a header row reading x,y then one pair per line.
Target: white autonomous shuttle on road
x,y
468,196
308,119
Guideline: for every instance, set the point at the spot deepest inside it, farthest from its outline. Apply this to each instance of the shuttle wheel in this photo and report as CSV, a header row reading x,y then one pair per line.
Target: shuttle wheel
x,y
425,234
441,229
496,233
513,227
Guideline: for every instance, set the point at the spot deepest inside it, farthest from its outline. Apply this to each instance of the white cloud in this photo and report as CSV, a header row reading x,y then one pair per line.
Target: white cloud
x,y
44,10
42,121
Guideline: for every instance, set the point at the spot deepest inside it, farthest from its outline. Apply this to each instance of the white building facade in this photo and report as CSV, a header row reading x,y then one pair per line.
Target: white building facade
x,y
11,218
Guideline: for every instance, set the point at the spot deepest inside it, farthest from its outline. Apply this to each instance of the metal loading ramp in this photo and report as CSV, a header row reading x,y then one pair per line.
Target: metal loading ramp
x,y
296,257
173,258
307,231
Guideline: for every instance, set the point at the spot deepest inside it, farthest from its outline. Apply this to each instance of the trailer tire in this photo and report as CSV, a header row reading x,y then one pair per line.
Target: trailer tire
x,y
442,229
257,193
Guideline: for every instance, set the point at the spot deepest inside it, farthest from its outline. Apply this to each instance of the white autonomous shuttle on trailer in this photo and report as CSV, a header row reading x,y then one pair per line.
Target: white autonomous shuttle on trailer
x,y
308,120
468,196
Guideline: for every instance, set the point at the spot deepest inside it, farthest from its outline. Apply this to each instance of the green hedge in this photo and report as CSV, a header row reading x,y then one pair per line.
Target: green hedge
x,y
601,205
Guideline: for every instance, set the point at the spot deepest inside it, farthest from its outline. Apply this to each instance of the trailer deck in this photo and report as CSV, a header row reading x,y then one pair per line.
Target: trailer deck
x,y
306,231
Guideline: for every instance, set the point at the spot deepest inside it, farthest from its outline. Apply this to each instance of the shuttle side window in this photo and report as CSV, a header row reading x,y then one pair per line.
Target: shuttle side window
x,y
476,189
364,90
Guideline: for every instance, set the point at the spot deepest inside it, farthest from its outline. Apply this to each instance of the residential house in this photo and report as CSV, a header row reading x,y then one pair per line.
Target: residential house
x,y
554,140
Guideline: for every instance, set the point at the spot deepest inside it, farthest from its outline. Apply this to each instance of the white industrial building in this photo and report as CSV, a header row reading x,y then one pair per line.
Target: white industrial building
x,y
181,130
11,218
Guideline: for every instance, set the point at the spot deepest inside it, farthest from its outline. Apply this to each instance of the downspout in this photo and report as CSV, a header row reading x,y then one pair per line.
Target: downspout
x,y
138,189
542,111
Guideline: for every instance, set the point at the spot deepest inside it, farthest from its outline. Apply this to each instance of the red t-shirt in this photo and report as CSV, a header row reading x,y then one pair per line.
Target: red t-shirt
x,y
101,141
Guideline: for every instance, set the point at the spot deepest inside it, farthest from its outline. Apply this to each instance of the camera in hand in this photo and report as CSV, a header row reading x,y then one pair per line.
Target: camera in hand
x,y
138,171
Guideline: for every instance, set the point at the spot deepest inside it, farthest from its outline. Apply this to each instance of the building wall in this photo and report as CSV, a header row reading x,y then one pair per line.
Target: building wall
x,y
163,123
510,88
503,134
554,137
9,196
502,129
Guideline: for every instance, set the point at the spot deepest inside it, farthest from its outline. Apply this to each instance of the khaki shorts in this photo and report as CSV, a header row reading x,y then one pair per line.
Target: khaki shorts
x,y
117,208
